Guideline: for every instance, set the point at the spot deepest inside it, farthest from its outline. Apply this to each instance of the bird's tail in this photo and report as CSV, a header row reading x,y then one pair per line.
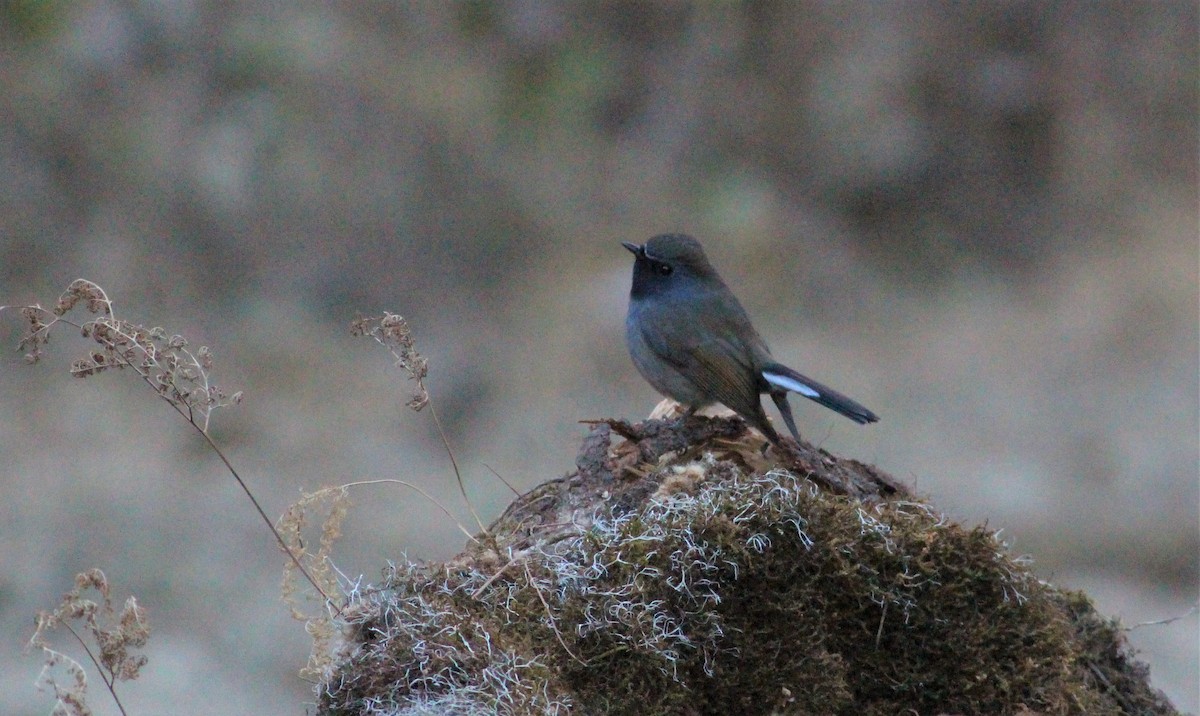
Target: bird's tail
x,y
780,376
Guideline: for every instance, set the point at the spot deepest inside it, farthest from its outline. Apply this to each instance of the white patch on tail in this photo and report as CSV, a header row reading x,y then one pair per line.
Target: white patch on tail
x,y
789,383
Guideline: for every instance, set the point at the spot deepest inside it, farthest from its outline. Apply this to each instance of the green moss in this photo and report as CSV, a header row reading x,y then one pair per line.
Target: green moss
x,y
751,594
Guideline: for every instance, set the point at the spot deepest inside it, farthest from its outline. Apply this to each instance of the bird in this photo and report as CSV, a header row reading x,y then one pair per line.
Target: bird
x,y
690,338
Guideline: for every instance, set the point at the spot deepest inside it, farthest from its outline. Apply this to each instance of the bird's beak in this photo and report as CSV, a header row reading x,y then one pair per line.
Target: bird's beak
x,y
634,248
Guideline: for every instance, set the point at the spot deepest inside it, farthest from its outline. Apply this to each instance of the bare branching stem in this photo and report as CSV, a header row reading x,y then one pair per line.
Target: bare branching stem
x,y
116,637
392,332
110,680
175,373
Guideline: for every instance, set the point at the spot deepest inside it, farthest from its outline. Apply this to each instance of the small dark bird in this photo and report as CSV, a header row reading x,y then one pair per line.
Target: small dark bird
x,y
691,339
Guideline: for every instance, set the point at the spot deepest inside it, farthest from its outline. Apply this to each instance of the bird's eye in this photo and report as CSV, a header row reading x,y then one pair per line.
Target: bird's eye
x,y
665,270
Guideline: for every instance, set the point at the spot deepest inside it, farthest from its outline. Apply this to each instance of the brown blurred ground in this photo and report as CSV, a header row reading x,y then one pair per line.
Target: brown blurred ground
x,y
980,220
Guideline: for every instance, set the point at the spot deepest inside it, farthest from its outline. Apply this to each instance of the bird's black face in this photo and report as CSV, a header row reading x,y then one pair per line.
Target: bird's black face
x,y
671,263
651,274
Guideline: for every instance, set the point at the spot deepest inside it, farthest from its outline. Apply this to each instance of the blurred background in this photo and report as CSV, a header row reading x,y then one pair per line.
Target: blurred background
x,y
978,219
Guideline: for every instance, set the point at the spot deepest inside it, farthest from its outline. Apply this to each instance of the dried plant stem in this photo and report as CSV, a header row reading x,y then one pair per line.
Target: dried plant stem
x,y
492,579
454,464
550,616
110,683
261,512
1168,620
423,493
116,636
164,363
392,332
501,479
190,416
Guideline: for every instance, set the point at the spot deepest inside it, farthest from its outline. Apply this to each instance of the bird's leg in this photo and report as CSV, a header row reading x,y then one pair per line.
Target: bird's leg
x,y
785,409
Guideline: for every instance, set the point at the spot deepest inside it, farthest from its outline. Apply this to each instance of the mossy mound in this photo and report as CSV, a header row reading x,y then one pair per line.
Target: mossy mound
x,y
666,576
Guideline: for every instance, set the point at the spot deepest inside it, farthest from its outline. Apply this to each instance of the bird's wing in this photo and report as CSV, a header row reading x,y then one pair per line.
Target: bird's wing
x,y
706,351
